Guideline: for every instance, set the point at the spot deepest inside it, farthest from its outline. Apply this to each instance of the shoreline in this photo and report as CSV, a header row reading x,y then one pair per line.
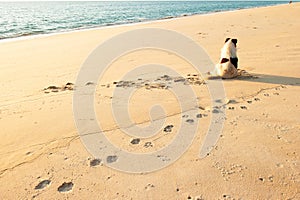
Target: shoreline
x,y
129,24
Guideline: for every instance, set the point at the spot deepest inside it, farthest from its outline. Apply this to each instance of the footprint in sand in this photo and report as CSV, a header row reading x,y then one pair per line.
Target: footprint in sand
x,y
156,86
111,159
135,141
179,79
149,186
42,184
168,128
261,179
95,162
89,83
194,79
199,115
69,86
148,144
190,121
125,84
53,88
65,187
166,78
243,107
215,110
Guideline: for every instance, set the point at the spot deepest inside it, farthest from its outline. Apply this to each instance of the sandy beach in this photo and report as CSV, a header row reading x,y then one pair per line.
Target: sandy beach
x,y
256,157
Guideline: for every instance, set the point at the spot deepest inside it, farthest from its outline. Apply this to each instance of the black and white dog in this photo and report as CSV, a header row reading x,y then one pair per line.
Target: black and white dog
x,y
228,64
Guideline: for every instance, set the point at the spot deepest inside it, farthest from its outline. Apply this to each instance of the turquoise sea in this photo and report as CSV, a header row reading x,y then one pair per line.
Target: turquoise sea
x,y
31,18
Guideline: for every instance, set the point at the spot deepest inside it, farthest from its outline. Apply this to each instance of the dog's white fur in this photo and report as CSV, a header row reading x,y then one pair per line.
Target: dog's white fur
x,y
225,68
228,50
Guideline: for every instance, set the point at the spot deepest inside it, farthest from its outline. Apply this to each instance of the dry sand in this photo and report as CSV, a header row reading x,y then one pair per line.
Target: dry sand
x,y
257,157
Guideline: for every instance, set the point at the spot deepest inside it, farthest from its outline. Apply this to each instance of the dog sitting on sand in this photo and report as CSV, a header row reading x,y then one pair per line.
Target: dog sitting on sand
x,y
227,67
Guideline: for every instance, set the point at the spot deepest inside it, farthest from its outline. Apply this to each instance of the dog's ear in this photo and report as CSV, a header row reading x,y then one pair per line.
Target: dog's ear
x,y
227,39
234,41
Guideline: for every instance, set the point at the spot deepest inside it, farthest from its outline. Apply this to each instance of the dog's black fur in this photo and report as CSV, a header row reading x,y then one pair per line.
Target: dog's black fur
x,y
224,60
234,61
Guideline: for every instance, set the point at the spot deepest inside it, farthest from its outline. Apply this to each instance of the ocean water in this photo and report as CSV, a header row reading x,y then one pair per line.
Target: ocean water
x,y
19,19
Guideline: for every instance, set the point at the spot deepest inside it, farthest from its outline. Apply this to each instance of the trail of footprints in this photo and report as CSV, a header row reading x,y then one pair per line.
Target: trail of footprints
x,y
64,187
167,130
244,105
162,82
68,186
236,169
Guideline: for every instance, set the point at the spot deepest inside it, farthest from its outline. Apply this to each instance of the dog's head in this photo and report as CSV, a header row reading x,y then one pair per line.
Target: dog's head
x,y
234,41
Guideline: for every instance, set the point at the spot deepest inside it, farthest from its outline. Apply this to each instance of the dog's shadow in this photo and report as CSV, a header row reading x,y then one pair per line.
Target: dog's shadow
x,y
263,78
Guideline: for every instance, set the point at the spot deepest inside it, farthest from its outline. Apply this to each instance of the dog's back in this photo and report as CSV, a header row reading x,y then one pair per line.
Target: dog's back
x,y
227,67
